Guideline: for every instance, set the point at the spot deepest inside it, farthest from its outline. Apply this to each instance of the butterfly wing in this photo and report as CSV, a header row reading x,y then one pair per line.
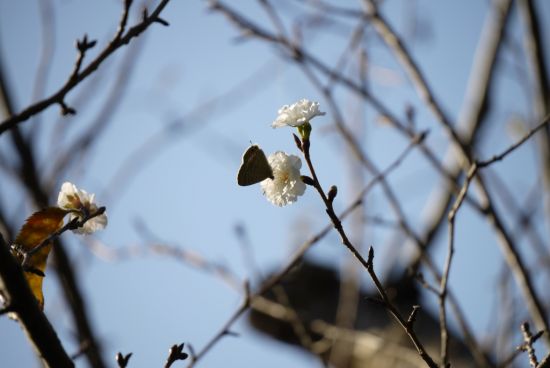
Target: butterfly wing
x,y
254,167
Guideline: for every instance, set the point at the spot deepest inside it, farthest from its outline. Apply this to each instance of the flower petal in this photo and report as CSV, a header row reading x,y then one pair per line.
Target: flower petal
x,y
287,184
80,203
297,114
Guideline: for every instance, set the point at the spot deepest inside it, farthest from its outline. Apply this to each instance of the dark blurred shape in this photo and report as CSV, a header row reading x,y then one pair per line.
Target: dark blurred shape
x,y
377,340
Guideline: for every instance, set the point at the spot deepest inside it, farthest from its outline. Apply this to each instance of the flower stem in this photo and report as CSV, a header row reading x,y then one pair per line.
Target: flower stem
x,y
329,207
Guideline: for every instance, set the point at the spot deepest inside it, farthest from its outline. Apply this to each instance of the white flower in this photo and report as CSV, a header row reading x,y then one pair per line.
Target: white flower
x,y
287,184
297,114
79,202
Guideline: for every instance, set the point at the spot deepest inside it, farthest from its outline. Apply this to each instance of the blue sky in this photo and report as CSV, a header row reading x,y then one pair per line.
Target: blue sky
x,y
184,190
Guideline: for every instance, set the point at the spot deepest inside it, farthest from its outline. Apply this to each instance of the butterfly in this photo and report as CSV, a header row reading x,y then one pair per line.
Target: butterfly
x,y
254,167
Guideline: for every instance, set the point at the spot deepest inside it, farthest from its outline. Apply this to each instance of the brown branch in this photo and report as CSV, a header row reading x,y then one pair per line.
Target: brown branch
x,y
79,75
394,42
281,296
21,302
367,264
545,121
525,216
47,20
447,268
541,102
77,149
407,325
529,339
472,115
77,305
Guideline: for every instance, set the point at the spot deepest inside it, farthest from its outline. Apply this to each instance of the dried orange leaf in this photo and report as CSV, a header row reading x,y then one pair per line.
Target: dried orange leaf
x,y
37,228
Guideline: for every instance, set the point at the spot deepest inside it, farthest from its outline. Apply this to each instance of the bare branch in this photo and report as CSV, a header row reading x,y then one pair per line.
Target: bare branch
x,y
79,75
23,304
529,339
405,324
513,147
447,268
367,264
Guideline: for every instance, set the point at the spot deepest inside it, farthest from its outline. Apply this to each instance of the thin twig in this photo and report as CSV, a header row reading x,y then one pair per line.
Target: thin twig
x,y
512,148
447,268
77,149
398,47
533,41
529,339
407,325
78,74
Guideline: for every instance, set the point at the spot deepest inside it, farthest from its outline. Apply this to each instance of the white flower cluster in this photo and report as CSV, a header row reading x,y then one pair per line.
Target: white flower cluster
x,y
287,184
79,202
297,114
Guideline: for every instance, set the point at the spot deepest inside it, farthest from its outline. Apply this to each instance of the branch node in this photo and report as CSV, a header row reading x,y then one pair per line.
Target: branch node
x,y
419,138
412,317
122,360
161,21
529,339
370,258
230,333
333,191
174,354
65,109
307,180
84,45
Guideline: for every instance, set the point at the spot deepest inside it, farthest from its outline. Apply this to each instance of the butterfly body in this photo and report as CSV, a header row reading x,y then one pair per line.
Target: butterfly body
x,y
254,167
